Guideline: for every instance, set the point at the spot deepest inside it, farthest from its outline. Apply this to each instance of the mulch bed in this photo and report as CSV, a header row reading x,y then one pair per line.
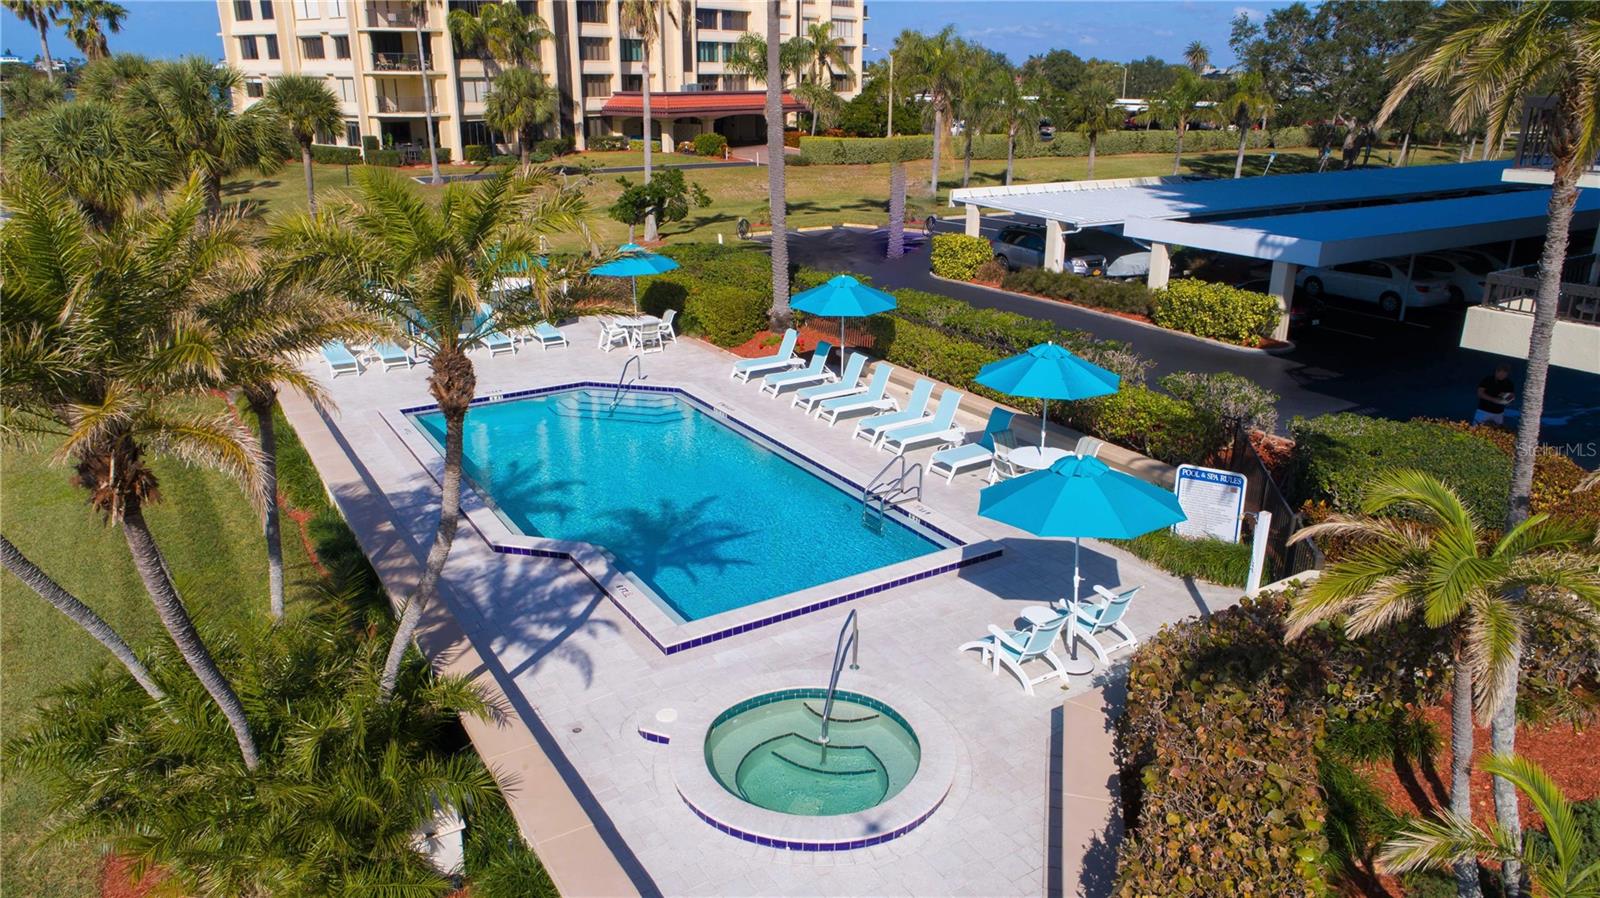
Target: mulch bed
x,y
766,342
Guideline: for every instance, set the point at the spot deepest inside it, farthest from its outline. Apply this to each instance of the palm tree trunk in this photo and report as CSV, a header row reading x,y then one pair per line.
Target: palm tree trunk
x,y
1177,158
262,402
453,382
311,184
175,617
1461,765
938,128
966,157
213,184
1405,148
82,615
644,68
1011,153
44,49
776,197
897,210
523,149
1094,140
1238,161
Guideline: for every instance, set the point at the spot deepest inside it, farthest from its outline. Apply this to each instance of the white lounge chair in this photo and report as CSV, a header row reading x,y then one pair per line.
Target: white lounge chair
x,y
647,337
392,356
778,361
612,335
1013,648
870,429
875,399
848,384
498,343
340,359
1088,619
952,460
1087,447
813,373
546,335
928,430
669,333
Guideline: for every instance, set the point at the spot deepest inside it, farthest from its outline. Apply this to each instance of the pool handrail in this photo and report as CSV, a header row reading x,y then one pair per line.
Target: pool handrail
x,y
854,641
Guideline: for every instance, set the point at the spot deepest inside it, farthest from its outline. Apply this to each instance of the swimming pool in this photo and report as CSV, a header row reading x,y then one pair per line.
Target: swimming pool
x,y
707,518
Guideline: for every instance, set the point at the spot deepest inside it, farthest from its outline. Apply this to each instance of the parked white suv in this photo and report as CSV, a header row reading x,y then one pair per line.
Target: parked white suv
x,y
1375,281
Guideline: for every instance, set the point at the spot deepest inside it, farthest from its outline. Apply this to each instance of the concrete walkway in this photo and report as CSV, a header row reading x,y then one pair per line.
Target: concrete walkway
x,y
1033,806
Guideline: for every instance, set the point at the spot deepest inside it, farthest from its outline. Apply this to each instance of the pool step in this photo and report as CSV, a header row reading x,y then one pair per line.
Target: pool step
x,y
637,408
816,711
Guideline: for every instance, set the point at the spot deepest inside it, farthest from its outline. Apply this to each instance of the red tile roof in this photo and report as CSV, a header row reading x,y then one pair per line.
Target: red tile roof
x,y
696,102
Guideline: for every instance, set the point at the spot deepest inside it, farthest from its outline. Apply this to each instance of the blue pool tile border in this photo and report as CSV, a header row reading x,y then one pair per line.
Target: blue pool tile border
x,y
842,844
773,444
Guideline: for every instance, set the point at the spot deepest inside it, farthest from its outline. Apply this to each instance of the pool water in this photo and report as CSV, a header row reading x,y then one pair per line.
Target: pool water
x,y
766,751
708,519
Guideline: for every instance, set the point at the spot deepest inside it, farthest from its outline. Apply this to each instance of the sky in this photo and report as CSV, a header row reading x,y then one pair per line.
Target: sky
x,y
1119,31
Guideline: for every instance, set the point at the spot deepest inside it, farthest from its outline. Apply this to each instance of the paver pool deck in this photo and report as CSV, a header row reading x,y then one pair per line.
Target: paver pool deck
x,y
1032,809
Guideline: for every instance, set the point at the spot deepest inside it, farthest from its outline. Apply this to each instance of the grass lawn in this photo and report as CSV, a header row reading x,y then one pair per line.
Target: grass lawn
x,y
823,194
213,544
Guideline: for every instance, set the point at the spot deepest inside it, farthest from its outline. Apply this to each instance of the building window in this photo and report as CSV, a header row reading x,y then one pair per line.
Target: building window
x,y
474,90
341,46
849,55
707,82
632,49
254,88
735,82
594,49
634,83
705,18
597,86
707,51
247,47
308,9
591,11
346,89
336,8
266,10
242,11
476,132
272,46
311,48
843,84
352,134
735,20
844,29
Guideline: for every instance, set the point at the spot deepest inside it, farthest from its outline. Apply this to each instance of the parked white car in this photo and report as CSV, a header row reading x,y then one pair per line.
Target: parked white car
x,y
1464,275
1375,281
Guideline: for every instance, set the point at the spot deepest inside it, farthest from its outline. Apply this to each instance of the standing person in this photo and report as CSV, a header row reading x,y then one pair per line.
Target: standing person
x,y
1495,392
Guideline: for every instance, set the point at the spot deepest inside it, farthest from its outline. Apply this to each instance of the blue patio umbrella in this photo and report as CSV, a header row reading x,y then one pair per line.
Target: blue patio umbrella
x,y
1047,372
843,297
634,261
1080,497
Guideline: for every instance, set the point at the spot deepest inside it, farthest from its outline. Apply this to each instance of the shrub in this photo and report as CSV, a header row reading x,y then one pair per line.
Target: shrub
x,y
864,150
1336,456
1217,311
554,146
1152,423
685,146
476,152
608,143
331,155
1230,400
369,143
385,157
990,272
710,144
1213,560
505,159
1556,477
792,138
957,256
722,293
1117,296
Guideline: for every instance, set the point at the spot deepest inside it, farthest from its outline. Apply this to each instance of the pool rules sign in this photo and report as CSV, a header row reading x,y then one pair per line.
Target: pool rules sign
x,y
1213,501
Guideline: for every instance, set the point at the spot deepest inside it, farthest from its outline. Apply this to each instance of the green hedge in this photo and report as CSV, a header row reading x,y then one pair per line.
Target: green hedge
x,y
710,144
958,256
331,155
864,150
390,158
1336,456
1145,421
721,293
1212,560
1100,293
606,143
477,152
1217,311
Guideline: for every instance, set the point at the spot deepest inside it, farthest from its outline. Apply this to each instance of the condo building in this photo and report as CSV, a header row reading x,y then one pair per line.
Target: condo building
x,y
392,62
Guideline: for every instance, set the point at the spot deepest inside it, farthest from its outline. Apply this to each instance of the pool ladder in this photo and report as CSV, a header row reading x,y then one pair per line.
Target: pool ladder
x,y
888,488
853,642
622,380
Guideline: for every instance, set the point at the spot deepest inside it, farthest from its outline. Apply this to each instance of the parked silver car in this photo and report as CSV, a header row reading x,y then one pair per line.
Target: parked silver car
x,y
1022,246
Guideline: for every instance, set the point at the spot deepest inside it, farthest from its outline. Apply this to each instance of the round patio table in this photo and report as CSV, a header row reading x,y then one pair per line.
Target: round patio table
x,y
1036,458
633,324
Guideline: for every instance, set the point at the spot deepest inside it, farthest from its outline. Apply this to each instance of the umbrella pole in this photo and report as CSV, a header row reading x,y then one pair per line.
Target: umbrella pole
x,y
841,346
1077,544
635,281
1044,419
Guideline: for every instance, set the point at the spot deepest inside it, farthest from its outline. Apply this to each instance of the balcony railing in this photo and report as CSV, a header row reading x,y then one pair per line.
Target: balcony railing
x,y
1533,146
396,62
383,15
405,104
1514,290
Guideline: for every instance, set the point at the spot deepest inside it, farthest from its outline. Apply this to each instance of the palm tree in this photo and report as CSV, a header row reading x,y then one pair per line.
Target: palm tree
x,y
979,86
1558,871
40,14
94,152
749,58
933,64
823,103
84,18
1487,57
65,602
518,103
187,108
107,78
262,326
647,19
27,93
1015,111
777,197
96,346
307,108
430,269
1198,56
1091,110
1179,105
825,56
1436,562
500,31
1250,102
897,209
